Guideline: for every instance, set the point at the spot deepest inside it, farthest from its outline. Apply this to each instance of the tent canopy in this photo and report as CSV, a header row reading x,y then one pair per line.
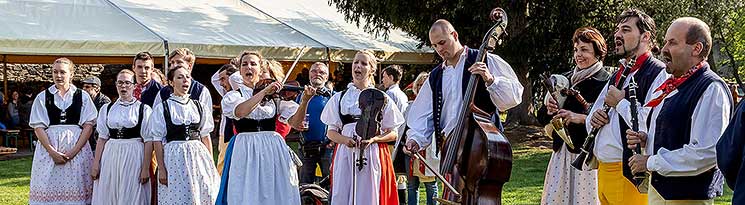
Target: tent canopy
x,y
112,31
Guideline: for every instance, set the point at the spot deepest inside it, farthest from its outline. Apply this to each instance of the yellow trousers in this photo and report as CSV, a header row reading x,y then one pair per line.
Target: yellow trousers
x,y
614,188
221,147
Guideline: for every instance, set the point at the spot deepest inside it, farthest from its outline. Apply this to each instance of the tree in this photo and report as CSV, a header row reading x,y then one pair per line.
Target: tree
x,y
540,30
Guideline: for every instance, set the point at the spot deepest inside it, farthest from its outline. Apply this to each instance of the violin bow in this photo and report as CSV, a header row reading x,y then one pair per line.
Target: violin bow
x,y
287,75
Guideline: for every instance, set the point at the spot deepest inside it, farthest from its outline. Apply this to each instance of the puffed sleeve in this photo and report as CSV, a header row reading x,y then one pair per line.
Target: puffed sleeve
x,y
229,102
392,117
286,110
208,121
146,115
330,114
103,127
156,124
38,117
88,112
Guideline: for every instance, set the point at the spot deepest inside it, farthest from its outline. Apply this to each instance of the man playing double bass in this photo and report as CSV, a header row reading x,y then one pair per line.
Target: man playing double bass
x,y
439,102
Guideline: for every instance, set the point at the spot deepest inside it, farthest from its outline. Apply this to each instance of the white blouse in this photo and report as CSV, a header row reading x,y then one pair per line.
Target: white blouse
x,y
392,117
265,110
123,114
39,117
183,111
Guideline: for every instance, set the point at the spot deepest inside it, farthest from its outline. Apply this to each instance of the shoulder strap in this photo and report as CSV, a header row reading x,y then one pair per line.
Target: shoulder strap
x,y
139,119
340,98
167,114
48,98
199,109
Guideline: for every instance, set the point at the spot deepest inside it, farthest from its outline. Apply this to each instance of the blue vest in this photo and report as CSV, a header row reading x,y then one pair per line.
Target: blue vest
x,y
674,130
435,81
195,89
147,96
316,128
644,79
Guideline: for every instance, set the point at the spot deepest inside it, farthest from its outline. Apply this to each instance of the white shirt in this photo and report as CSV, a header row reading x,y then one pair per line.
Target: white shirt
x,y
265,110
123,114
392,117
608,147
505,92
709,120
39,117
401,100
183,111
215,80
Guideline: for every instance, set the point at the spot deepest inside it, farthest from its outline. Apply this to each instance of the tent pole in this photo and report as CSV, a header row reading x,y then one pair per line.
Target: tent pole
x,y
165,58
5,76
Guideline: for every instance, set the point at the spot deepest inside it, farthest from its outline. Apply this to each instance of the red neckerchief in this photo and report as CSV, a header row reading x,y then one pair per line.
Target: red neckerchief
x,y
672,83
137,94
637,65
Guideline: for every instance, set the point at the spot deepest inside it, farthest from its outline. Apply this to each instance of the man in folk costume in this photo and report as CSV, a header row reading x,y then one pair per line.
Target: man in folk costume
x,y
221,81
689,112
146,89
62,117
634,38
435,110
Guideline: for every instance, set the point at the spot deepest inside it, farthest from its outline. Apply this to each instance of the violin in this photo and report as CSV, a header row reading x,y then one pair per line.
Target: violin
x,y
477,157
289,90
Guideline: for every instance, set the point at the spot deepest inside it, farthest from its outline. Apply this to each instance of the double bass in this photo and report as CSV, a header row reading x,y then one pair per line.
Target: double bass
x,y
477,157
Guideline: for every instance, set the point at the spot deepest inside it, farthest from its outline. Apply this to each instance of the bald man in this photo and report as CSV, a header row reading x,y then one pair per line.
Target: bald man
x,y
436,108
689,113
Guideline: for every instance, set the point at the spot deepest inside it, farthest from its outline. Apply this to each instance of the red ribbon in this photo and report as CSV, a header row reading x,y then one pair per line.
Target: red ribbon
x,y
672,83
639,62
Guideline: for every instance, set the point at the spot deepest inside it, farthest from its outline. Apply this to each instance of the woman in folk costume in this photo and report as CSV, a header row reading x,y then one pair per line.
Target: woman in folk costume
x,y
121,166
258,167
376,182
62,117
186,171
418,173
563,183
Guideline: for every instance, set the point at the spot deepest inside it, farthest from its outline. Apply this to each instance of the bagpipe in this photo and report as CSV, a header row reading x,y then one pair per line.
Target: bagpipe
x,y
559,89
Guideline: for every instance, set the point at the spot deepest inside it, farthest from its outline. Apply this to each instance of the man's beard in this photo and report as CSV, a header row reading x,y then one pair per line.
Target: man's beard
x,y
317,83
627,53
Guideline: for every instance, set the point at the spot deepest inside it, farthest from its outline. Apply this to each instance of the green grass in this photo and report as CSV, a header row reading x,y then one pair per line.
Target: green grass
x,y
15,176
525,186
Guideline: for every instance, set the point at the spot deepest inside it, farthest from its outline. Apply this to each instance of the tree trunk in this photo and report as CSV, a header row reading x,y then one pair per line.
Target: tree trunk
x,y
524,113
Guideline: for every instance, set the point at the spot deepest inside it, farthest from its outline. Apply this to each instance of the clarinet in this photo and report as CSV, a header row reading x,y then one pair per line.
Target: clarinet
x,y
586,156
640,178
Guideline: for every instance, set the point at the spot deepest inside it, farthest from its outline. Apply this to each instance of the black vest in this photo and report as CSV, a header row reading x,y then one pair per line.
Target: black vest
x,y
69,116
251,125
195,89
674,130
590,89
644,79
126,132
181,132
149,93
435,81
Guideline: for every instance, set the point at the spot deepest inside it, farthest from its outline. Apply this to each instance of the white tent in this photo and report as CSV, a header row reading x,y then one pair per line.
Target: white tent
x,y
111,31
